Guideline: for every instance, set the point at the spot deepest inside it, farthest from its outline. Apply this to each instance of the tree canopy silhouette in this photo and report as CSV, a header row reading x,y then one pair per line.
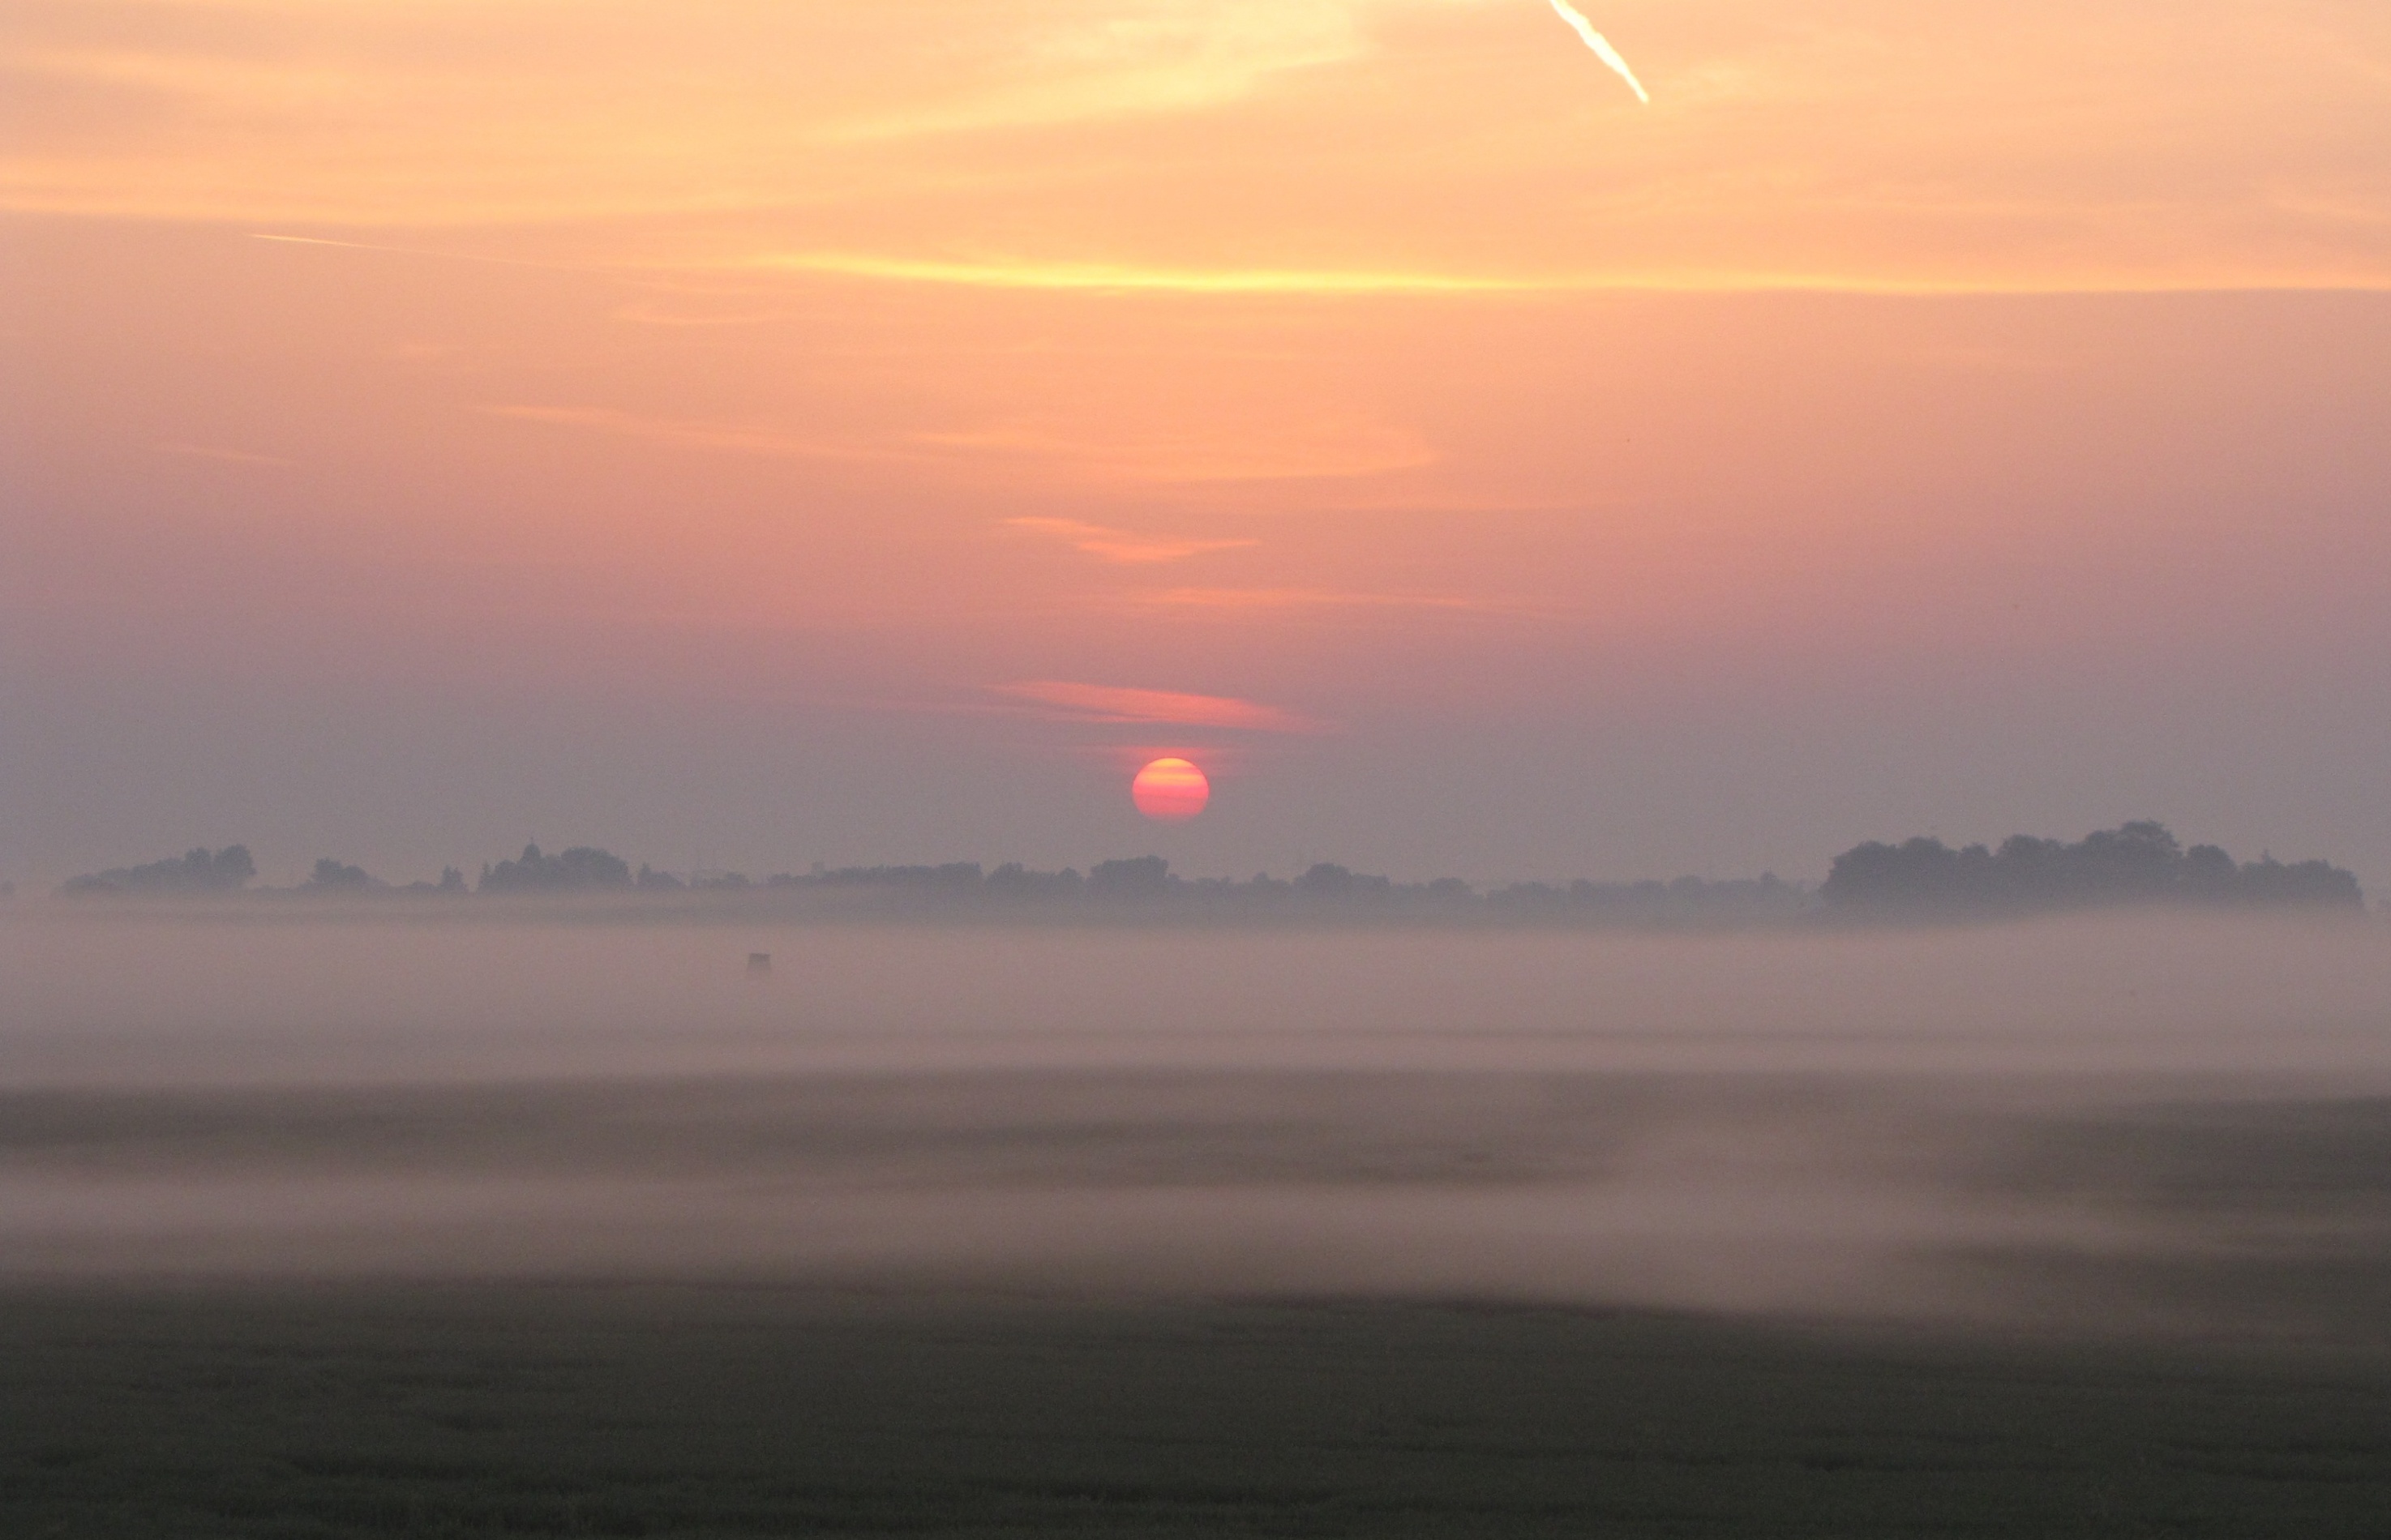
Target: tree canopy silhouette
x,y
578,870
2134,863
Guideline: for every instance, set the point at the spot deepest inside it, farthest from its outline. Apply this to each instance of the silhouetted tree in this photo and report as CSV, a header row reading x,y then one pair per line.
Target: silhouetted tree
x,y
331,875
1013,881
1326,881
581,869
2311,883
1139,876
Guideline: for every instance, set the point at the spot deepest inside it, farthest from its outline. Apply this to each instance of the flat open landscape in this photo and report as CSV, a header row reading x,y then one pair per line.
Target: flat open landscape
x,y
1528,769
343,1231
725,1411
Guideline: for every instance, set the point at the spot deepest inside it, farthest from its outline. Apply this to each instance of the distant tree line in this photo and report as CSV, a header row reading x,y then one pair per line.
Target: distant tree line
x,y
579,870
2136,862
199,872
1148,884
1149,878
1143,883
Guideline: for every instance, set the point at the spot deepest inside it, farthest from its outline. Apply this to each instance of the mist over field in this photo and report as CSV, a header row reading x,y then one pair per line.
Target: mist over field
x,y
2131,1122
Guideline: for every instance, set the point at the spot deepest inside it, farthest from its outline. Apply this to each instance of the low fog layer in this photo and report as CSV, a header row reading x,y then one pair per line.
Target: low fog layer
x,y
2117,1124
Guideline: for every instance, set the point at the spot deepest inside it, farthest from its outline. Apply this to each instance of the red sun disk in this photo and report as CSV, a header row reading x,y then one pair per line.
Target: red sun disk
x,y
1171,790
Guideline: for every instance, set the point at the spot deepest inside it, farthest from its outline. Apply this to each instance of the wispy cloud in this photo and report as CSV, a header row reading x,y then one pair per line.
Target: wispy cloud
x,y
1710,274
1293,447
737,437
230,456
1067,701
1250,599
1336,448
1120,546
1226,453
1118,61
1123,278
482,258
1313,137
650,315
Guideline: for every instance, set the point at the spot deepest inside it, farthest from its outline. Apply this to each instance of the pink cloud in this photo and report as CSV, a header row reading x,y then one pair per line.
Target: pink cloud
x,y
1105,703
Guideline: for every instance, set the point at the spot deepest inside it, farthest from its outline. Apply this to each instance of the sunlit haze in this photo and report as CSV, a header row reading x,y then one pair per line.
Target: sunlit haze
x,y
758,434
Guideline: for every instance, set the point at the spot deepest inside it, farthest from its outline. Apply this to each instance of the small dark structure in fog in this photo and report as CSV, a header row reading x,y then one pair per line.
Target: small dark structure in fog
x,y
759,965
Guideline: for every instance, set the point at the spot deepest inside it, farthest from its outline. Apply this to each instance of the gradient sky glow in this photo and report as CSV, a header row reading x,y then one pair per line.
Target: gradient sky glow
x,y
770,432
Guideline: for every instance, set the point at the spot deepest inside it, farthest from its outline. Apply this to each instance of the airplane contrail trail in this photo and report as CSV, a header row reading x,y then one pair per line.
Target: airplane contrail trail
x,y
1601,45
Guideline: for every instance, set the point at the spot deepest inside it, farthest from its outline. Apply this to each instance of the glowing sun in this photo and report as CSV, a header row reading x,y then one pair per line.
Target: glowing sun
x,y
1171,790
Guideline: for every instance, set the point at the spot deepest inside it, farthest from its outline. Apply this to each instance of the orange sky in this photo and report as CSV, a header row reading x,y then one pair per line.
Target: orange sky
x,y
1915,418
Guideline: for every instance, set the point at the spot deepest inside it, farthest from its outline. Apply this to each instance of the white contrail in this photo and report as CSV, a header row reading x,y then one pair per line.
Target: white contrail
x,y
1601,45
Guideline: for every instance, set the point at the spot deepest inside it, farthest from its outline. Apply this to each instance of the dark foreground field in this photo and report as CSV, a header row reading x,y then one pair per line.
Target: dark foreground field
x,y
718,1410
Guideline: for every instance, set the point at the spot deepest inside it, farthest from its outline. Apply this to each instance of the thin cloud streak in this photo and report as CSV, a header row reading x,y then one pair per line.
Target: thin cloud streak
x,y
1249,599
646,316
1120,277
1108,67
482,258
737,437
1120,546
1239,449
1339,450
1113,705
229,457
1095,278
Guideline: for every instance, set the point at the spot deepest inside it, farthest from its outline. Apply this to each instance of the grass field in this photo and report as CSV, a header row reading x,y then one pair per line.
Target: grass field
x,y
453,1409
